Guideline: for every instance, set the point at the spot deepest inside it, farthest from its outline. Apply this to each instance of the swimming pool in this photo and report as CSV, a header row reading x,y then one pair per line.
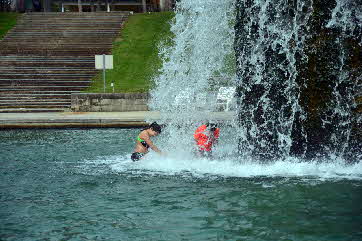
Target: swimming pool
x,y
79,184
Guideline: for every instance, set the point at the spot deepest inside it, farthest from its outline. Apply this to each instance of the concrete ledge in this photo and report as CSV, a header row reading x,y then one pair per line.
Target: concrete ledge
x,y
105,102
73,125
76,119
133,119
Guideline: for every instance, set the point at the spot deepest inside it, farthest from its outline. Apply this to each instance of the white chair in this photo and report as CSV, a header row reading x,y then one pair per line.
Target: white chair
x,y
225,97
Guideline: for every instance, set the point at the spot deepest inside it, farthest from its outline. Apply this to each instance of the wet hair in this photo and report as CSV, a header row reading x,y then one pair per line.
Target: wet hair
x,y
156,127
212,126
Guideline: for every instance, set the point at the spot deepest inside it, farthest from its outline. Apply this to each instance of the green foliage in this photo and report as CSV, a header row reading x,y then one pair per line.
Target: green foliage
x,y
7,21
135,53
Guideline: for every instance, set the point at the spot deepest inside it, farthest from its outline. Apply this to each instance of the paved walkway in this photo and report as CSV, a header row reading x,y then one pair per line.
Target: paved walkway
x,y
89,119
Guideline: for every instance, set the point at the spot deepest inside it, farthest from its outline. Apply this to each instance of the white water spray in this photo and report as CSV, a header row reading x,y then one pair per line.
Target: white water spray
x,y
198,62
346,19
271,39
272,45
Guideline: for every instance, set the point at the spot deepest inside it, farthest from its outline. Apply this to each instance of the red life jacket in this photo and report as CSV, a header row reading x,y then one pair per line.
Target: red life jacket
x,y
203,141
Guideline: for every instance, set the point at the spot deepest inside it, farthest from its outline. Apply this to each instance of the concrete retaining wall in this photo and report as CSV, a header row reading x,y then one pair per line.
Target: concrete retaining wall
x,y
95,102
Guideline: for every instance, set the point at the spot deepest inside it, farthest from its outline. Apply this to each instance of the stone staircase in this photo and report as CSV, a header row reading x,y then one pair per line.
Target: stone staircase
x,y
48,56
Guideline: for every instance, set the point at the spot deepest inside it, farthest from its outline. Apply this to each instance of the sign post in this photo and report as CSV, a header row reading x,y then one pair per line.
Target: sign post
x,y
104,62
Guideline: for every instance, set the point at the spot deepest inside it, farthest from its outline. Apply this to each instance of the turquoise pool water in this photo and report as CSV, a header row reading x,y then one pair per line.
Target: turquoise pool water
x,y
80,185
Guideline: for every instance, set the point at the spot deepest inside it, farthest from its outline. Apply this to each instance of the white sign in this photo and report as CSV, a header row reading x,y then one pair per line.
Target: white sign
x,y
108,61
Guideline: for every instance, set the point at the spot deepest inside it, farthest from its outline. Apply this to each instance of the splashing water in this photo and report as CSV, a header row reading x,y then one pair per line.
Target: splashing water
x,y
346,21
195,63
269,40
282,71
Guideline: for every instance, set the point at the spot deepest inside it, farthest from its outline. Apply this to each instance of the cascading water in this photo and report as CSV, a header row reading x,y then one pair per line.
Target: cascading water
x,y
346,22
197,61
296,87
294,97
269,42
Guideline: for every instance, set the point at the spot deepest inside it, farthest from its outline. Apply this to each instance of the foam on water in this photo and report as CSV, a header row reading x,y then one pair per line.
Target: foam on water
x,y
181,164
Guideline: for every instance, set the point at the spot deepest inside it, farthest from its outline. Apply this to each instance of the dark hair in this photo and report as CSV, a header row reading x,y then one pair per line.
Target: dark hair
x,y
156,127
212,126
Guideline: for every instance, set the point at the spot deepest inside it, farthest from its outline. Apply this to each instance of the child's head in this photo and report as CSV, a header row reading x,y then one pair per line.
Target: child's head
x,y
155,127
212,126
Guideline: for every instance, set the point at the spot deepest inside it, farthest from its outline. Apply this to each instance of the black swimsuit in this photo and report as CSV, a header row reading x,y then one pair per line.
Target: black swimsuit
x,y
143,142
136,156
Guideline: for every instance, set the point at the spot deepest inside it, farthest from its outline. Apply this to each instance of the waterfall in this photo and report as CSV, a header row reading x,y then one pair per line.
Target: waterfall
x,y
296,66
199,60
346,22
269,43
295,77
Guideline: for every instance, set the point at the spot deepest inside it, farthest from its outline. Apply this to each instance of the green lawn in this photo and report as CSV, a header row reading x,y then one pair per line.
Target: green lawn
x,y
7,21
135,53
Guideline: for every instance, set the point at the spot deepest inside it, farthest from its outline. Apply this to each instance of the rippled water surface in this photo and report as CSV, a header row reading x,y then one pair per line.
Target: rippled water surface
x,y
80,185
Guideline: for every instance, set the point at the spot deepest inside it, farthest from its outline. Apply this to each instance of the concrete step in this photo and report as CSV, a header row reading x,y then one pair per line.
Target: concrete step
x,y
46,75
45,58
64,28
60,37
51,24
47,69
38,41
88,50
24,89
85,15
36,92
5,103
39,102
45,95
68,33
44,86
67,19
32,110
66,16
35,97
42,82
51,60
35,101
73,44
44,79
77,13
47,64
36,106
31,98
48,52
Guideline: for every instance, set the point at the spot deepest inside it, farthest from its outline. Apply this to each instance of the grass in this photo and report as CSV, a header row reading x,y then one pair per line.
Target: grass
x,y
135,54
7,21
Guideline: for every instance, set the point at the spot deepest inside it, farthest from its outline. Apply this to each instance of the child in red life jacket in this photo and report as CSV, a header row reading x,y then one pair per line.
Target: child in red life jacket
x,y
206,136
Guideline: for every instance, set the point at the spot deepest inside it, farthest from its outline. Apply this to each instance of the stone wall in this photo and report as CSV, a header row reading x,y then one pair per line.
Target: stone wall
x,y
95,102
